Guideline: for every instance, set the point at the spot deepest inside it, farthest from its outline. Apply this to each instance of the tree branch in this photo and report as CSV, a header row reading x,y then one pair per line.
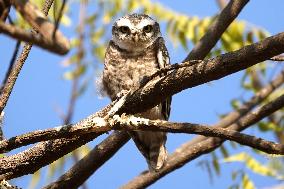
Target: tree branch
x,y
216,29
56,43
44,153
12,61
200,73
81,171
34,38
134,123
225,122
5,6
187,153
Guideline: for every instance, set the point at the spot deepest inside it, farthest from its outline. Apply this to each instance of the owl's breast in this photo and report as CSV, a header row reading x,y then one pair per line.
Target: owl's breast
x,y
125,71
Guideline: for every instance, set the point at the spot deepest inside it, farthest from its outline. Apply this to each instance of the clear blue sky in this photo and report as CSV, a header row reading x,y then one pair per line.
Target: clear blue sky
x,y
40,90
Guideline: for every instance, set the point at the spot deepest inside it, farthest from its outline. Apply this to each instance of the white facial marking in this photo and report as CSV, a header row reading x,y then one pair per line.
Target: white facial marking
x,y
124,22
144,23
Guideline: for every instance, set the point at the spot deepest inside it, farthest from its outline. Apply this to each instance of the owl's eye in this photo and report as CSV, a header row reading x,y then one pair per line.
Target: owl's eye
x,y
148,28
124,29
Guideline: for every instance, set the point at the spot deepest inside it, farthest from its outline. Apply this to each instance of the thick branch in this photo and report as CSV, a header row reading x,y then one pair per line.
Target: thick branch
x,y
229,119
36,39
81,171
57,42
216,29
215,68
187,153
38,156
44,153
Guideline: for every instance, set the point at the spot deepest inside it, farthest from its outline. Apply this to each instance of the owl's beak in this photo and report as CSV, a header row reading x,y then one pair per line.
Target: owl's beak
x,y
135,37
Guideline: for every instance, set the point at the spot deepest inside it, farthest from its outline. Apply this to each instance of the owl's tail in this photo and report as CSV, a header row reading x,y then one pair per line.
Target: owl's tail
x,y
152,146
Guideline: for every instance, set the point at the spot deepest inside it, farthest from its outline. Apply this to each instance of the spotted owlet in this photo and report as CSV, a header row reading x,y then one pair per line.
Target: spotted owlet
x,y
135,51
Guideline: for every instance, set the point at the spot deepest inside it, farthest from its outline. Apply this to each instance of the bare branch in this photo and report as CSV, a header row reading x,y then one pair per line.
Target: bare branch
x,y
172,127
5,6
38,20
225,122
200,73
34,38
11,64
187,153
82,170
12,61
57,20
216,29
44,153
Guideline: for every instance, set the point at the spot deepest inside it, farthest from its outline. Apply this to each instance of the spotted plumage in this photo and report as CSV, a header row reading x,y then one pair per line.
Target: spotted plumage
x,y
135,51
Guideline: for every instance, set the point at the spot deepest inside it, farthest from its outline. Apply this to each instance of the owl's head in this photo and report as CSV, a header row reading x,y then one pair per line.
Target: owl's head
x,y
135,32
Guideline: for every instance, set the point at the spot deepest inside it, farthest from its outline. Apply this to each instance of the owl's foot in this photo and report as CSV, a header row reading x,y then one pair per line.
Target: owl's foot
x,y
121,94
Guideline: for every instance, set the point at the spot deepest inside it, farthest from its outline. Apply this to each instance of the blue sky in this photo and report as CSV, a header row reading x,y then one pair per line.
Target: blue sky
x,y
40,90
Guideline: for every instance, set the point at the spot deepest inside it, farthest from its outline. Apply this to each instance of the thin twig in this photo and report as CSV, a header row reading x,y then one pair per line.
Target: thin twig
x,y
11,64
57,20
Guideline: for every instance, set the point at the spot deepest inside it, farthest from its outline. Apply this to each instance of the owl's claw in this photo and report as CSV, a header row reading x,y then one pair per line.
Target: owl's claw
x,y
121,94
144,81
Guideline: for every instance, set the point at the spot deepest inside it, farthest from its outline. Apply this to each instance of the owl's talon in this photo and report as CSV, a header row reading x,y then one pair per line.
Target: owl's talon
x,y
121,94
144,80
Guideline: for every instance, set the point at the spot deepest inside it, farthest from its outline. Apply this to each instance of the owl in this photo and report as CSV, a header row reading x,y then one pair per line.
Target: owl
x,y
136,50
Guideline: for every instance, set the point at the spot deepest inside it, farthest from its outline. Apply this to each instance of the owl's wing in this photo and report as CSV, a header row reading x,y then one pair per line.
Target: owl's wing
x,y
152,144
163,61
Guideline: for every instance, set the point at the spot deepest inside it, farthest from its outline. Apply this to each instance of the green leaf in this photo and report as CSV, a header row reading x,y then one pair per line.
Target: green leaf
x,y
97,35
247,183
215,164
253,165
224,151
268,126
70,75
182,40
235,104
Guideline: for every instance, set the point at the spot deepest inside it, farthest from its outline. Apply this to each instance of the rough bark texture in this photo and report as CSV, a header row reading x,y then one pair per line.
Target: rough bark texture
x,y
187,153
200,73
